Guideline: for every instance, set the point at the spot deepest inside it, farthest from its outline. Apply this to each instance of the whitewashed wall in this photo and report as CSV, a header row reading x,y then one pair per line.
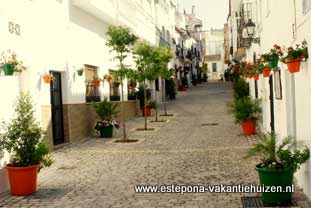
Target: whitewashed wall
x,y
292,113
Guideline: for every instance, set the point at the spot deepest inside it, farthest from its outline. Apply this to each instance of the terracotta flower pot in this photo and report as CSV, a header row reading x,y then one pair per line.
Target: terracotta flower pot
x,y
47,78
107,80
266,72
256,76
183,88
96,82
148,111
293,65
249,127
23,180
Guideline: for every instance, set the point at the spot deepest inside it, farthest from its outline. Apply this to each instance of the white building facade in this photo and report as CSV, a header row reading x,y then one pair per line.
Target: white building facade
x,y
285,97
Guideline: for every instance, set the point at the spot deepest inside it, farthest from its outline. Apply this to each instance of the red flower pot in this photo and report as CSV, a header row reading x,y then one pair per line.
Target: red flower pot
x,y
148,111
23,180
266,72
47,78
249,127
96,82
256,76
293,65
183,88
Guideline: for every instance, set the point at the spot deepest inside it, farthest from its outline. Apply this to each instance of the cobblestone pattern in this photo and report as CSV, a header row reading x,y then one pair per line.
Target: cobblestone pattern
x,y
100,173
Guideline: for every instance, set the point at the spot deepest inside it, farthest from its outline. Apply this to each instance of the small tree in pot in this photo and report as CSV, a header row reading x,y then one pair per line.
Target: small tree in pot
x,y
25,140
105,111
277,167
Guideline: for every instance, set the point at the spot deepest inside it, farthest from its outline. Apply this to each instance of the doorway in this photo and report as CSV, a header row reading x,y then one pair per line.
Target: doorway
x,y
57,109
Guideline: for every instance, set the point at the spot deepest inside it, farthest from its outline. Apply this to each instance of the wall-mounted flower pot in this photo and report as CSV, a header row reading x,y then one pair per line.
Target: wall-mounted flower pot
x,y
276,178
249,127
293,65
273,63
107,80
8,69
47,78
266,72
23,180
256,76
80,72
96,83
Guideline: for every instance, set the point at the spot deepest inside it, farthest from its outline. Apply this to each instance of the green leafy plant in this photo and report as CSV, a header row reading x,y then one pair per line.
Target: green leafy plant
x,y
274,156
106,110
121,42
274,54
152,104
296,53
241,89
245,109
24,138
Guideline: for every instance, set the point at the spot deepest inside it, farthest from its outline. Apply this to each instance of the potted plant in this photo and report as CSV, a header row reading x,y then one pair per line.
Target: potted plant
x,y
25,141
184,84
245,110
241,89
295,56
80,71
96,81
10,64
107,78
105,111
151,105
278,163
47,78
273,56
141,97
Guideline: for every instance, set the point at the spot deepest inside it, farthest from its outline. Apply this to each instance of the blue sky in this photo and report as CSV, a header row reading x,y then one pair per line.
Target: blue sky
x,y
212,12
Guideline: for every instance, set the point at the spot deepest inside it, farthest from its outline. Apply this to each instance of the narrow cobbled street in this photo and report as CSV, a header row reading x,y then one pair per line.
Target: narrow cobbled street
x,y
200,145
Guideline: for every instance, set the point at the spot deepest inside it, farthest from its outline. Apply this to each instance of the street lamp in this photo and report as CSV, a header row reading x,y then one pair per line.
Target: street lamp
x,y
250,29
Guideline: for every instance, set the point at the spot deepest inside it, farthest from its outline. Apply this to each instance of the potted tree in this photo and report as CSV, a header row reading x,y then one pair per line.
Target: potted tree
x,y
245,110
105,111
295,56
25,140
121,41
278,163
10,64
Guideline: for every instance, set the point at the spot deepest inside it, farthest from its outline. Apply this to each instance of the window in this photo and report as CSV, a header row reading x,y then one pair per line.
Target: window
x,y
114,90
92,91
214,67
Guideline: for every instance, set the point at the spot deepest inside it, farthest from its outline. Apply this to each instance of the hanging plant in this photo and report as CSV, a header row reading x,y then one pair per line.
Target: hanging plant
x,y
295,56
10,64
273,56
107,78
96,81
47,78
80,71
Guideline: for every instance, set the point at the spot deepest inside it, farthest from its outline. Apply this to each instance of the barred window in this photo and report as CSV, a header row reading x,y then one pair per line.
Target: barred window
x,y
92,91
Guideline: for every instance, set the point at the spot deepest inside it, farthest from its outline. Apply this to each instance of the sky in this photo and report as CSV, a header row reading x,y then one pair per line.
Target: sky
x,y
213,12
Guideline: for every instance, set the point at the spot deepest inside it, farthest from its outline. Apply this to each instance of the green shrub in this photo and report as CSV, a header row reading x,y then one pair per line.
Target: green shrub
x,y
275,156
24,138
106,110
245,109
241,88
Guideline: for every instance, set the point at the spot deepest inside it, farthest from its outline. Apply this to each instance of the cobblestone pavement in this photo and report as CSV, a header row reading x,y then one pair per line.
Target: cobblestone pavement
x,y
100,173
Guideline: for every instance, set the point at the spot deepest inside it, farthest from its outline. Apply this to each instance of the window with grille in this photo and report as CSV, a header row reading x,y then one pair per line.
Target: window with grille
x,y
92,91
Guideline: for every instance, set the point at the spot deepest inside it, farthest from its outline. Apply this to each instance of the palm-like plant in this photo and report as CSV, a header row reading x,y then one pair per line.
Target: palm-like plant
x,y
277,156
